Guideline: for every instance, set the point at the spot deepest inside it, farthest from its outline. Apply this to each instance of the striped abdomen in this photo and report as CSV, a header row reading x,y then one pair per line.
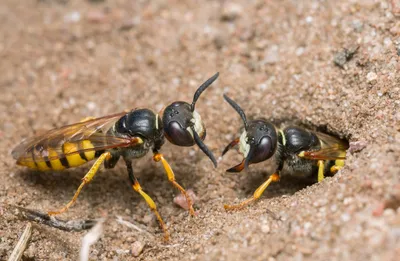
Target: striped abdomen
x,y
71,154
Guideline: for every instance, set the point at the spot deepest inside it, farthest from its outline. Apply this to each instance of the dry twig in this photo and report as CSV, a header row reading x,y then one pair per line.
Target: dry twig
x,y
89,239
22,244
133,226
44,218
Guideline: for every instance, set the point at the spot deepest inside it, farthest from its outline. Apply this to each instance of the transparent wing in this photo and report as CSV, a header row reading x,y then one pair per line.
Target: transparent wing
x,y
332,148
95,131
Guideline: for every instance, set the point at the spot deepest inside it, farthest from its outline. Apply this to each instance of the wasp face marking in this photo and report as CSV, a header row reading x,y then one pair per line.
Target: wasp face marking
x,y
198,125
244,147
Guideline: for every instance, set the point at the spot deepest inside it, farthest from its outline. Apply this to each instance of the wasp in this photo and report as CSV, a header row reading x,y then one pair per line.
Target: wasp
x,y
294,151
126,135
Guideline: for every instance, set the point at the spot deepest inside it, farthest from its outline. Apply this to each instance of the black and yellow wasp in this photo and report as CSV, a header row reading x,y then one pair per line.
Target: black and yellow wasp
x,y
294,151
126,135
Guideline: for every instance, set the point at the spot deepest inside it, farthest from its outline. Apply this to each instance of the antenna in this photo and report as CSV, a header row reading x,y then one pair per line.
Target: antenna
x,y
202,88
237,109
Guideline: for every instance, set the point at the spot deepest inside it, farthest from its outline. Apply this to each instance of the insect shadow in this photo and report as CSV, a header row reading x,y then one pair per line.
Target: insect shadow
x,y
110,188
286,186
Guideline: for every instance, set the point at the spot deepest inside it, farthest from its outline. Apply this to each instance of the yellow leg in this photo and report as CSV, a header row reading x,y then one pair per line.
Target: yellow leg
x,y
171,177
136,186
338,165
321,167
257,194
86,179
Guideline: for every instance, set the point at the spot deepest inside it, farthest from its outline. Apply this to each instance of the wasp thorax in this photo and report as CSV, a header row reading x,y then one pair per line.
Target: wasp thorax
x,y
141,122
179,122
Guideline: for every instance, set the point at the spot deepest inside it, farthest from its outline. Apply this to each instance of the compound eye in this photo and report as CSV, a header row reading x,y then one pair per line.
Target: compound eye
x,y
177,119
263,150
178,135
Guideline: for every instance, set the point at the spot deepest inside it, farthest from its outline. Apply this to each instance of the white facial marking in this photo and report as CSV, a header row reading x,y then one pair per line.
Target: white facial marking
x,y
244,147
283,137
198,125
157,121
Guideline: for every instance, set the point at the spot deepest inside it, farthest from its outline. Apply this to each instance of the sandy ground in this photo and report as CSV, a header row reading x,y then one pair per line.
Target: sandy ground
x,y
62,61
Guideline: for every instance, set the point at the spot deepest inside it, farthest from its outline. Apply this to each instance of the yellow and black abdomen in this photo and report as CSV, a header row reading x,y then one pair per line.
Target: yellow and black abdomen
x,y
68,155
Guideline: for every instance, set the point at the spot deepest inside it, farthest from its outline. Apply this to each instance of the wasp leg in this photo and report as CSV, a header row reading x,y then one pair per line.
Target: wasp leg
x,y
136,186
257,194
171,177
86,179
338,165
321,168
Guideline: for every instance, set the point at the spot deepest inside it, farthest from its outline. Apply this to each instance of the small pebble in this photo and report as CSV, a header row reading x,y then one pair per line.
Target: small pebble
x,y
304,250
300,51
307,225
41,62
309,19
396,7
271,55
371,76
72,17
220,41
180,199
358,26
128,24
231,11
357,146
378,211
91,106
90,44
387,42
345,217
395,30
147,219
96,17
341,58
265,229
137,248
388,212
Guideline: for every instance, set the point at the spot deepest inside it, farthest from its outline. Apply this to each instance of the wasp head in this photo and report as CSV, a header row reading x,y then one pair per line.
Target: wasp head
x,y
257,142
183,125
